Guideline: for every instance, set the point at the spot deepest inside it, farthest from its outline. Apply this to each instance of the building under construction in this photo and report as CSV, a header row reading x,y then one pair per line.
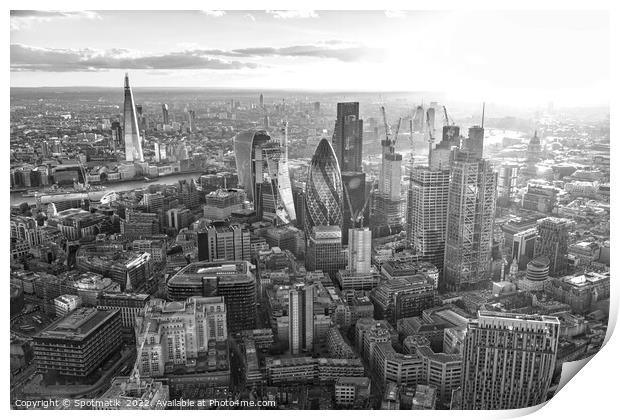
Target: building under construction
x,y
427,199
469,229
387,215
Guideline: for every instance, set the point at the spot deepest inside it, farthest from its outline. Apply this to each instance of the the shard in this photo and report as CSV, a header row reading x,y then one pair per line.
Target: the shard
x,y
131,133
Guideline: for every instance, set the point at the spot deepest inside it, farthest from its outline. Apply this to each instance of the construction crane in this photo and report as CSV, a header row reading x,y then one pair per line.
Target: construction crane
x,y
448,120
386,126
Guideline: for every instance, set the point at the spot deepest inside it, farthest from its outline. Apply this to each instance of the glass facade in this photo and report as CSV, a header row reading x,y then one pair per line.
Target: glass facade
x,y
262,168
324,191
133,145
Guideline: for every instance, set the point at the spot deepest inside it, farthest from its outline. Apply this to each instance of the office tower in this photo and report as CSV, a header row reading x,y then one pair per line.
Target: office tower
x,y
324,190
360,247
355,209
317,107
533,157
553,237
165,114
117,134
439,157
190,115
474,142
141,119
262,165
387,213
324,250
418,119
92,335
172,335
507,183
299,198
522,246
232,280
469,228
133,143
261,100
427,212
224,243
301,318
508,360
347,138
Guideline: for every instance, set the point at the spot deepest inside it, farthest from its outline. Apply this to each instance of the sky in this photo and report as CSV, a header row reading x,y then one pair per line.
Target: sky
x,y
514,57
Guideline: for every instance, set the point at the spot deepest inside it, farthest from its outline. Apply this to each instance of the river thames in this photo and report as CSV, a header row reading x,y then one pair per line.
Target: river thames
x,y
17,198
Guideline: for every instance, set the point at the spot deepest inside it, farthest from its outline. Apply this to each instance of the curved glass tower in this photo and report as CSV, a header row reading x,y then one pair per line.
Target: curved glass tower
x,y
262,168
324,192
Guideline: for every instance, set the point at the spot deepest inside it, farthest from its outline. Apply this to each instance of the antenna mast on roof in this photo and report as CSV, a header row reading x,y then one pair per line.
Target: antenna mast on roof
x,y
482,126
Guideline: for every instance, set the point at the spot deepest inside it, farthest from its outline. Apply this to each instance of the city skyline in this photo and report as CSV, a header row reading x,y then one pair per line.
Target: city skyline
x,y
320,54
172,248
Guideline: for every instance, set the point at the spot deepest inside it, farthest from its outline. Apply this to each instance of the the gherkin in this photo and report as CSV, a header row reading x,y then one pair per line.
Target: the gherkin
x,y
324,192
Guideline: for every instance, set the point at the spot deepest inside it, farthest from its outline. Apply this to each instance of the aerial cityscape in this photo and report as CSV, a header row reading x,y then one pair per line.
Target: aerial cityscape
x,y
222,247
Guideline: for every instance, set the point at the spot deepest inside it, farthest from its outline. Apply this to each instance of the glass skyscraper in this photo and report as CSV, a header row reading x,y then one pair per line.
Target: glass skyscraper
x,y
131,133
324,191
262,168
347,138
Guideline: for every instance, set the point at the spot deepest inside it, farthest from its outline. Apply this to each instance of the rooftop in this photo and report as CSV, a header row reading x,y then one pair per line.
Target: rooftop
x,y
78,325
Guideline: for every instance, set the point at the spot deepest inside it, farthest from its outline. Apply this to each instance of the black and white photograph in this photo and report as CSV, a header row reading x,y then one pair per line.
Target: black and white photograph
x,y
304,209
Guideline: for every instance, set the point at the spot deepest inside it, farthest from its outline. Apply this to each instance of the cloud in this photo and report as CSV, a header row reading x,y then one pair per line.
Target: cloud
x,y
397,14
21,19
214,13
293,14
28,58
338,50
